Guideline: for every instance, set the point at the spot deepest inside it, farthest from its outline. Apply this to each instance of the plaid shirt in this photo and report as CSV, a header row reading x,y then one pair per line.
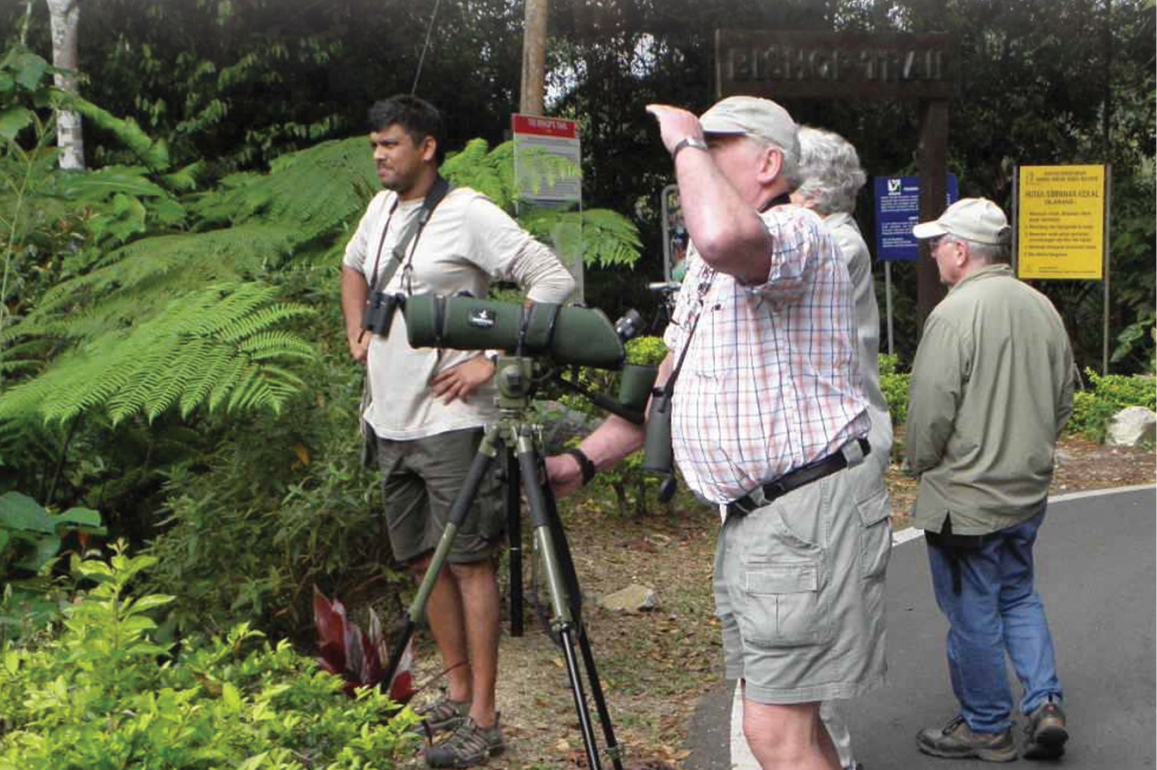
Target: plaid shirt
x,y
771,380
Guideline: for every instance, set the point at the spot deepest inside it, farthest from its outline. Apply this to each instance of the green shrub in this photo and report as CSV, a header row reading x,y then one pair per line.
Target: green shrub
x,y
1094,407
30,543
102,694
895,388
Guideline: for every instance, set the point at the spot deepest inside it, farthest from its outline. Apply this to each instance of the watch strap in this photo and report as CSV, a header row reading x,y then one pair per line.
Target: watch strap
x,y
588,468
688,141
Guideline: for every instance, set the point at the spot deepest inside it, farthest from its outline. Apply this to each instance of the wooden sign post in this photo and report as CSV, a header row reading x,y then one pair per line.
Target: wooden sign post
x,y
833,65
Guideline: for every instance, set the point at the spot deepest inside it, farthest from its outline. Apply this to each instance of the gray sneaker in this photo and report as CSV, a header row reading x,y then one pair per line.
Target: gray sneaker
x,y
470,745
956,740
1045,733
443,715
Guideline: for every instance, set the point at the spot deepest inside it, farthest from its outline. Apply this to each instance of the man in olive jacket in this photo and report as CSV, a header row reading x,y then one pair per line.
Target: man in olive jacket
x,y
992,388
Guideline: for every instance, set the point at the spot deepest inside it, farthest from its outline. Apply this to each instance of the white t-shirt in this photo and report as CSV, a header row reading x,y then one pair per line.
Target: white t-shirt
x,y
467,243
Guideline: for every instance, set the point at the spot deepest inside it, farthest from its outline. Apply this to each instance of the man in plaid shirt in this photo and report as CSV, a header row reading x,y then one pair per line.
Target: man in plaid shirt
x,y
767,412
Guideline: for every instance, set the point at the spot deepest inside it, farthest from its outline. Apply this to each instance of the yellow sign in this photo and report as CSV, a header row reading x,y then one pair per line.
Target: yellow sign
x,y
1061,222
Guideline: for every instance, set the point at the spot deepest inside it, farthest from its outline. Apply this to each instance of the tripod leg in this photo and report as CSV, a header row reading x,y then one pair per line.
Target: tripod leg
x,y
558,536
458,512
544,518
514,536
613,749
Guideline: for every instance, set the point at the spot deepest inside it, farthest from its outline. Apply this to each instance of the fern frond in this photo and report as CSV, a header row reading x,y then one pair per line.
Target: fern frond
x,y
178,261
185,179
155,154
269,345
215,346
251,324
98,185
608,238
214,365
314,190
9,365
231,375
479,169
537,169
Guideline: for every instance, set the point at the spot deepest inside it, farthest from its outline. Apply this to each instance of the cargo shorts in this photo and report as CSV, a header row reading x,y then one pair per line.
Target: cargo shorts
x,y
421,479
799,590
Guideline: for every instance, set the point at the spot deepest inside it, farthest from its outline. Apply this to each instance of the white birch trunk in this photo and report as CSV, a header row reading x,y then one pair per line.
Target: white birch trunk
x,y
65,15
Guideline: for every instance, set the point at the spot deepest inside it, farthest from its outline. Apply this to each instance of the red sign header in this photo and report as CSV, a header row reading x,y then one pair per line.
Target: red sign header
x,y
538,126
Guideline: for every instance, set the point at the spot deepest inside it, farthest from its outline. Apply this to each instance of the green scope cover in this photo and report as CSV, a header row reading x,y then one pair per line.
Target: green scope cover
x,y
568,335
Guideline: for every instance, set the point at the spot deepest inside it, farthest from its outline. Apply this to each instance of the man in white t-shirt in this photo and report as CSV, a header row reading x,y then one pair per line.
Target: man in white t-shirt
x,y
428,406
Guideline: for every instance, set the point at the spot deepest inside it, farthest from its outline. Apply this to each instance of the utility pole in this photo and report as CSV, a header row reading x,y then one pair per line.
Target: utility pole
x,y
534,59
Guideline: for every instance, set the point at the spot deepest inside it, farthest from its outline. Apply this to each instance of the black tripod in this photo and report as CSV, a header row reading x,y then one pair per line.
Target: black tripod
x,y
514,439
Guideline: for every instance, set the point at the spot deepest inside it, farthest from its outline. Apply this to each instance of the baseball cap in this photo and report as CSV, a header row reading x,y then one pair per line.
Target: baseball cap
x,y
753,116
974,219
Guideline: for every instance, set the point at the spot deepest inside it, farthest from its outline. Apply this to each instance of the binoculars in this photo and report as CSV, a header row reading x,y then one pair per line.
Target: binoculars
x,y
379,311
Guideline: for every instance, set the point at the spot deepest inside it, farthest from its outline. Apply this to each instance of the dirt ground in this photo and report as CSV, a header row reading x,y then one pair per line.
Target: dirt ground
x,y
654,665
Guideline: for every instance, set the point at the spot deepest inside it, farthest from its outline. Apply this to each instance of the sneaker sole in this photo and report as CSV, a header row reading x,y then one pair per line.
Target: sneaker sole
x,y
460,763
986,755
1049,743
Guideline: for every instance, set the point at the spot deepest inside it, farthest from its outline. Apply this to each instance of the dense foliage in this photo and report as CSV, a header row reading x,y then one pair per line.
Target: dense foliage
x,y
172,350
100,692
173,353
1094,408
234,84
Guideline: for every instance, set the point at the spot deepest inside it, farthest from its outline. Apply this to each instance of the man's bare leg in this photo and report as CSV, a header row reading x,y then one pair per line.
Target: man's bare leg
x,y
444,614
785,737
478,588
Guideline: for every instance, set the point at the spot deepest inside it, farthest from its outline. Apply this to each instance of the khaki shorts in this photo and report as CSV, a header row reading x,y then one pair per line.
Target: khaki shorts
x,y
420,480
799,590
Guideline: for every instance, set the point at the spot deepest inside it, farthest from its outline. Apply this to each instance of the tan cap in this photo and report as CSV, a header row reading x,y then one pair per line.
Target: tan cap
x,y
973,219
752,116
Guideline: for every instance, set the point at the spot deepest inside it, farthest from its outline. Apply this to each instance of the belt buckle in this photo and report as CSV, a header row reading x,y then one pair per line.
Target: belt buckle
x,y
777,488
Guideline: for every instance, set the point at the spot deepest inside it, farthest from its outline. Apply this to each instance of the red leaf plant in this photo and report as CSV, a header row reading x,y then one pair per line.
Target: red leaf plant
x,y
347,651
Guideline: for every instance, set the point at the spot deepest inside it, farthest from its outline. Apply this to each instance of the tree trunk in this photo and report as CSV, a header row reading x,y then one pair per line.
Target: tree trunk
x,y
533,59
69,135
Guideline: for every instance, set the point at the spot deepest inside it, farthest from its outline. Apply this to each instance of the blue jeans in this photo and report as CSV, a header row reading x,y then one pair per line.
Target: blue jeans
x,y
996,610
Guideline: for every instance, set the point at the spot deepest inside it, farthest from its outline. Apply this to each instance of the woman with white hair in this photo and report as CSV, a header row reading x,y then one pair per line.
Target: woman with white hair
x,y
830,178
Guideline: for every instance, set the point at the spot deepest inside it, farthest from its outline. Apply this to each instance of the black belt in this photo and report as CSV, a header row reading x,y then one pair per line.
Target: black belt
x,y
795,479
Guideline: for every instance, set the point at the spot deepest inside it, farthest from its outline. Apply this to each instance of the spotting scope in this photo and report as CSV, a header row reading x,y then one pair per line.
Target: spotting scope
x,y
568,335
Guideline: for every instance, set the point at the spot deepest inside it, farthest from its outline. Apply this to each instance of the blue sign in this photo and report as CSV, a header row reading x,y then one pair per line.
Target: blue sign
x,y
897,212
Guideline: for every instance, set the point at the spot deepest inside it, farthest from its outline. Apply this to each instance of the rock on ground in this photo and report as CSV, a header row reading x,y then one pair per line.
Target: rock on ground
x,y
1132,426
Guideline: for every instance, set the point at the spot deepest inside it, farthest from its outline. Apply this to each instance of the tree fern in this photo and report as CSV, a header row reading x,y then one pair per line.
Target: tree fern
x,y
478,168
168,322
315,190
210,347
176,261
608,238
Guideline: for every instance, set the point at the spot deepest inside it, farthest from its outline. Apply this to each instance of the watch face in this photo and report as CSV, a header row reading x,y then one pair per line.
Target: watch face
x,y
482,318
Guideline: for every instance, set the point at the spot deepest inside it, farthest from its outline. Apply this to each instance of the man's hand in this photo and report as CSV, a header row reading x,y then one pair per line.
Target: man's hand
x,y
675,124
462,380
564,474
359,345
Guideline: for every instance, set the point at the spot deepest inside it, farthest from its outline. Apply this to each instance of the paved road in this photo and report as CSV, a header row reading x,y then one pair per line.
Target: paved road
x,y
1095,571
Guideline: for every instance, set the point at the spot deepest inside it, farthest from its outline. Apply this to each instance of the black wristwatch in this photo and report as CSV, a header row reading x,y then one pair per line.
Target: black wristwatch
x,y
588,468
688,141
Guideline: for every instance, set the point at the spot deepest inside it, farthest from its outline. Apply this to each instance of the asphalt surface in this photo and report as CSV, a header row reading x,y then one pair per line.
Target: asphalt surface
x,y
1095,571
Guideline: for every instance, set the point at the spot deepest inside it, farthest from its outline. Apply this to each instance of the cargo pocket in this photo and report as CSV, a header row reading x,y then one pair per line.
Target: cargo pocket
x,y
875,533
782,606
